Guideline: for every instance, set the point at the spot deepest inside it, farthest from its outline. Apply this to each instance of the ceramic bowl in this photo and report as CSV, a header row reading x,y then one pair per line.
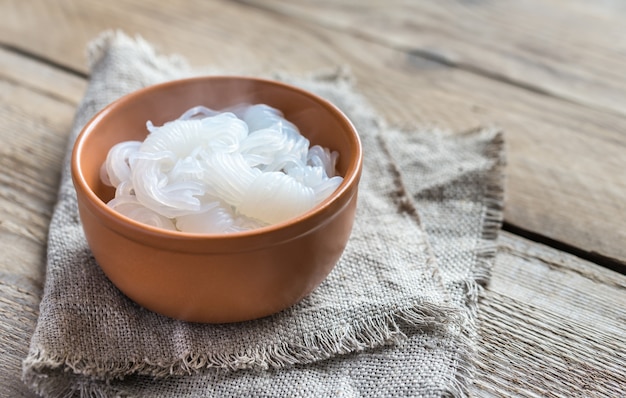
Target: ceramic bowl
x,y
216,278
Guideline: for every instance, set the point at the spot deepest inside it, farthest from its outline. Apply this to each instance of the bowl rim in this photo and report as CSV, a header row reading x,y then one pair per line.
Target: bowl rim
x,y
280,232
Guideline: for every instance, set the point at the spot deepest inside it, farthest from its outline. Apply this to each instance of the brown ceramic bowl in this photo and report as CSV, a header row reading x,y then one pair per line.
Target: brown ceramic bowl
x,y
221,277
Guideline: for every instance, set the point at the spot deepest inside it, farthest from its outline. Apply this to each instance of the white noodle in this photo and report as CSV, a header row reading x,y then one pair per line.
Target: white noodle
x,y
220,172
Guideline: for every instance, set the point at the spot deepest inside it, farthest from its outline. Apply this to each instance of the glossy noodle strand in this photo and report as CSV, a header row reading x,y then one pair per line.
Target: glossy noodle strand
x,y
220,172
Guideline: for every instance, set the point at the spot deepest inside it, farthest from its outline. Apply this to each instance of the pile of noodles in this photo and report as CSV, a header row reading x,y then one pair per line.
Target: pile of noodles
x,y
220,172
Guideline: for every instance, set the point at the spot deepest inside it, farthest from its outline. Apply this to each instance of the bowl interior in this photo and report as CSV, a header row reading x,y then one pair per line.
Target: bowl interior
x,y
126,119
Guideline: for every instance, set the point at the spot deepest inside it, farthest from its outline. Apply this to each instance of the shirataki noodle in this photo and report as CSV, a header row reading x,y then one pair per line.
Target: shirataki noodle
x,y
220,172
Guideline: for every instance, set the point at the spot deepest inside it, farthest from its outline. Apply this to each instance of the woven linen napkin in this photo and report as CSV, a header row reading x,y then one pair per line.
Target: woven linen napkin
x,y
394,318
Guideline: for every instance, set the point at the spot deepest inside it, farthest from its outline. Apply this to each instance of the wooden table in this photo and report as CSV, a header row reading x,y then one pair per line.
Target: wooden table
x,y
551,73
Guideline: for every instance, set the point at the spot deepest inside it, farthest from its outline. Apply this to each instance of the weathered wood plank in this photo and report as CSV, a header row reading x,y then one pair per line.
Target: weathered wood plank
x,y
566,161
575,49
552,325
48,81
35,122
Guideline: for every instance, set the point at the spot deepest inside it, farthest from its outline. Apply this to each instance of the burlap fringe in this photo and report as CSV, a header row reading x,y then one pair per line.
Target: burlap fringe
x,y
41,367
485,257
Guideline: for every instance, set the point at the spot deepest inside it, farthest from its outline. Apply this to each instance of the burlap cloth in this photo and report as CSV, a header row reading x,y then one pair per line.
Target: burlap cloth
x,y
396,317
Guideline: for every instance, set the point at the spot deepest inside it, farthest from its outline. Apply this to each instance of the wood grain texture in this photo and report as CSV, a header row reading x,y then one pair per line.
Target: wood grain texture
x,y
575,50
566,179
552,325
37,76
35,123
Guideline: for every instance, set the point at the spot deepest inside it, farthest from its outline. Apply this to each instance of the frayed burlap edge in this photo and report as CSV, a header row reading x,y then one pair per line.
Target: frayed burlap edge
x,y
485,254
42,368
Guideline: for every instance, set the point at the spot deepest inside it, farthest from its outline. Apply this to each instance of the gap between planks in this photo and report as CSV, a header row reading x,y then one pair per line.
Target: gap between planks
x,y
594,257
44,60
